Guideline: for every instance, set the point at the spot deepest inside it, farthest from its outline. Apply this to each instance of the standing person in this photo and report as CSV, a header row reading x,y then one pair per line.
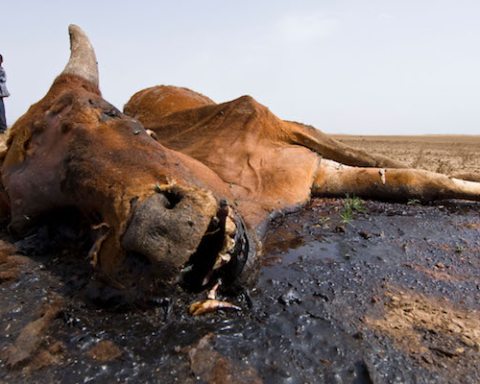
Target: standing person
x,y
3,93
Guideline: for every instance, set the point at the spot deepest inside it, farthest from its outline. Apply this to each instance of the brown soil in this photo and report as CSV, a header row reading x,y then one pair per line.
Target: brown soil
x,y
213,368
428,328
32,336
104,351
449,154
10,262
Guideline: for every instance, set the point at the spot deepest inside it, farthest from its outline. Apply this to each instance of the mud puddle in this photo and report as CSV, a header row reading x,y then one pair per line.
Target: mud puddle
x,y
392,296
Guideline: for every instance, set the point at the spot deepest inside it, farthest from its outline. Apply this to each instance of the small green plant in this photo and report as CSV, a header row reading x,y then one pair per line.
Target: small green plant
x,y
347,216
413,202
351,205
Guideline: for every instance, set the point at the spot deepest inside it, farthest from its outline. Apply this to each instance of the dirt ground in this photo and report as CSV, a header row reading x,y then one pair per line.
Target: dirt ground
x,y
447,154
390,296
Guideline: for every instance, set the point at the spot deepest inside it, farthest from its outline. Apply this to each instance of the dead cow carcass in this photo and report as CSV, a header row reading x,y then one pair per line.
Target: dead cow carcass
x,y
194,201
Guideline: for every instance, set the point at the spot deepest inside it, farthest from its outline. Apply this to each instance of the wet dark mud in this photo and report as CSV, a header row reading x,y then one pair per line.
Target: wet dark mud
x,y
393,296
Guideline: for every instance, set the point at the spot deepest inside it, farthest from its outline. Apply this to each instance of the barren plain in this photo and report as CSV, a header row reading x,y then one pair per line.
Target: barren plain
x,y
449,154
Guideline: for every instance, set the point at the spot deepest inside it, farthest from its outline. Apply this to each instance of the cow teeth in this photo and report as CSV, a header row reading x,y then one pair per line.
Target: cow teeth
x,y
222,259
230,227
207,306
207,278
212,294
229,244
187,269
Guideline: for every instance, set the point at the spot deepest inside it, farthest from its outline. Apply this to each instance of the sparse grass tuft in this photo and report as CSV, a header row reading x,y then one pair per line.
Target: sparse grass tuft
x,y
351,205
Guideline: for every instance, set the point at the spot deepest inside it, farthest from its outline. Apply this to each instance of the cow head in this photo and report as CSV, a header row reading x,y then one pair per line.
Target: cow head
x,y
74,149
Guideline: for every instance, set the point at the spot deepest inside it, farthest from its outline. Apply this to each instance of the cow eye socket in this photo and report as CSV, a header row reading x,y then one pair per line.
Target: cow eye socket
x,y
112,113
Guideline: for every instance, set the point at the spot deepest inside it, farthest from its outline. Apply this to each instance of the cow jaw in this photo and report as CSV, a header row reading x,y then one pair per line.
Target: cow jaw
x,y
187,236
222,252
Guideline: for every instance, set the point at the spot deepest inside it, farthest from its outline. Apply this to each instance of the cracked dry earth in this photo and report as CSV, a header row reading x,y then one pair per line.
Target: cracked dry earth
x,y
391,297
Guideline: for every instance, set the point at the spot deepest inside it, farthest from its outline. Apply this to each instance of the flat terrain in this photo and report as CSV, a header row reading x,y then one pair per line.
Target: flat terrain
x,y
391,295
447,154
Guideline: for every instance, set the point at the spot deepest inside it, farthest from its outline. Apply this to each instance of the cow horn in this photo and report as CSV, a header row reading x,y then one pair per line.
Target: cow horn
x,y
83,61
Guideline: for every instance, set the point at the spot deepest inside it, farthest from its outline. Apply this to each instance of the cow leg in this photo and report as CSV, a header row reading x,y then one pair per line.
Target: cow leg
x,y
334,179
335,150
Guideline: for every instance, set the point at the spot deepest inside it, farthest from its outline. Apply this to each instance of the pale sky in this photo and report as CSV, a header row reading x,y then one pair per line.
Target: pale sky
x,y
360,67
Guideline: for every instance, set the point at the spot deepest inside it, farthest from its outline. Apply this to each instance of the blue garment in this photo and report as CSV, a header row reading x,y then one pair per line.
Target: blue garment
x,y
3,83
3,120
3,93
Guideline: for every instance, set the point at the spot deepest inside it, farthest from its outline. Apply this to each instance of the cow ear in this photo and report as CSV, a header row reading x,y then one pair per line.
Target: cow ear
x,y
83,61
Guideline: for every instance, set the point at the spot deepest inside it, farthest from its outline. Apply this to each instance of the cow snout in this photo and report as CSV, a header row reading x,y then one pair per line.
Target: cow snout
x,y
168,226
187,236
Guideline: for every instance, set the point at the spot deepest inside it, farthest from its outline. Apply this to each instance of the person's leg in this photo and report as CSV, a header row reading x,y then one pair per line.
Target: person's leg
x,y
3,119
